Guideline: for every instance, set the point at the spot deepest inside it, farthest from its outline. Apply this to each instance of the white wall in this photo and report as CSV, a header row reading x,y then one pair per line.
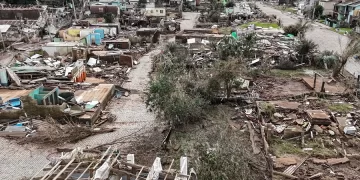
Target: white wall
x,y
160,12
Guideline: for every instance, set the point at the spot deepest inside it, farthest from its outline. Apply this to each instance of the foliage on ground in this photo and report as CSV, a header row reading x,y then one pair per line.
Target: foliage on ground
x,y
298,29
261,24
340,107
230,157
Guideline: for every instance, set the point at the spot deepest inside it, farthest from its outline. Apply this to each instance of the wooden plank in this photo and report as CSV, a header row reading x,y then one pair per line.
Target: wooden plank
x,y
137,177
87,168
14,76
256,150
69,175
168,169
62,171
52,169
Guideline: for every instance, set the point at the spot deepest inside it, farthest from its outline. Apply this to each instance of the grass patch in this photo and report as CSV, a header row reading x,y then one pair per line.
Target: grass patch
x,y
342,31
292,10
281,147
341,107
287,73
261,24
319,151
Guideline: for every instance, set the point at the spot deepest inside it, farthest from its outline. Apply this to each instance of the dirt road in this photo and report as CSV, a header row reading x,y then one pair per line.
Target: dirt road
x,y
320,34
132,117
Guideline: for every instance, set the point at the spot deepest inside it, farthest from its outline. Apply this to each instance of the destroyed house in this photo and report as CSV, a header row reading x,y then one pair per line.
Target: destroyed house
x,y
118,43
101,8
113,57
20,13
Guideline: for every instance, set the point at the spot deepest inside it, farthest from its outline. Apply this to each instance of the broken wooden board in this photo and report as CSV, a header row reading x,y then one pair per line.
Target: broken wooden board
x,y
14,76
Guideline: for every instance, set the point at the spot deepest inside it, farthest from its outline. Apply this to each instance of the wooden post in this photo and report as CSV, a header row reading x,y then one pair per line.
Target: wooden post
x,y
322,87
315,81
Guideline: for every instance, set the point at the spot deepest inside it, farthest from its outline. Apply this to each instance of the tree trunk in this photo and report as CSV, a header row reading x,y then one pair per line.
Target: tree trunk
x,y
338,69
228,89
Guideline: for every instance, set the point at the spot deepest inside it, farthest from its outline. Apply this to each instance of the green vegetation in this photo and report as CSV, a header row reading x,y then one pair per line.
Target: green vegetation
x,y
287,73
298,29
342,31
230,159
282,147
292,10
261,24
341,107
318,11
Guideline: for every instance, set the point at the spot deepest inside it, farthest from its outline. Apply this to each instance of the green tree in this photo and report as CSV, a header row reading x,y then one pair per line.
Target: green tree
x,y
109,18
352,48
142,3
318,11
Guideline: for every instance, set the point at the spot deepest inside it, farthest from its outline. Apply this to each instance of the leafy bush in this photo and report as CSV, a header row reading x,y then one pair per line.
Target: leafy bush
x,y
230,4
230,157
305,50
327,60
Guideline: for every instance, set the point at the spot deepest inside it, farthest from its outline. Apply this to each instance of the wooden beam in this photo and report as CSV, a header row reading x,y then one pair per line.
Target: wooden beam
x,y
62,171
69,175
84,171
52,169
121,172
137,177
168,168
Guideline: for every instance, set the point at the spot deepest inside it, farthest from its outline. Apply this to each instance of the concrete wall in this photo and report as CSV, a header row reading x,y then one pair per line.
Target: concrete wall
x,y
328,7
351,14
13,14
61,50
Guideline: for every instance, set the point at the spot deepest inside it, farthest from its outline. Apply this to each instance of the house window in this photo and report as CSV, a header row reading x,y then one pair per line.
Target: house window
x,y
161,11
151,11
156,10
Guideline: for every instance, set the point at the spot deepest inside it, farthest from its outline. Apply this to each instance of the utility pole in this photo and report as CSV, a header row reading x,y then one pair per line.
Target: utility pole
x,y
73,4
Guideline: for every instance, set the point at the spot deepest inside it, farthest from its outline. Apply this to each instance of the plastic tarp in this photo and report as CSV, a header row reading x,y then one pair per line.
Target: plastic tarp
x,y
155,170
103,172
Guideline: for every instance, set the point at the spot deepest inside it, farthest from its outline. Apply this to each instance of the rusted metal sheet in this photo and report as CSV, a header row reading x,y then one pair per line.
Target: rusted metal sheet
x,y
319,117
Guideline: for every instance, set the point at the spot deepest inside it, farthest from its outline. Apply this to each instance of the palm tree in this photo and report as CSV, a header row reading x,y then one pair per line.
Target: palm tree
x,y
352,48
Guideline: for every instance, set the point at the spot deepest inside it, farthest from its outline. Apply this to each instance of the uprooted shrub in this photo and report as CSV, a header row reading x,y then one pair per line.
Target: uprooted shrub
x,y
326,60
228,155
299,28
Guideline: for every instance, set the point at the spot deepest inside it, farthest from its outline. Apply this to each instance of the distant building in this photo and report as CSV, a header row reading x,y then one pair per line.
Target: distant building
x,y
155,12
328,6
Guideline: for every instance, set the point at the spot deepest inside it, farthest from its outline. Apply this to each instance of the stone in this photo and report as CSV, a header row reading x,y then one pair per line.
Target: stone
x,y
299,121
284,161
292,131
335,161
318,161
332,133
318,129
278,115
335,130
292,116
